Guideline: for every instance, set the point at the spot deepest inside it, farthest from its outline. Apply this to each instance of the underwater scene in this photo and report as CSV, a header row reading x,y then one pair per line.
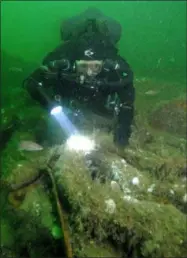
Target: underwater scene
x,y
93,129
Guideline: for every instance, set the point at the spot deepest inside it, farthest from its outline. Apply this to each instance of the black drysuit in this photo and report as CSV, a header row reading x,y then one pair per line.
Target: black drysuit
x,y
108,83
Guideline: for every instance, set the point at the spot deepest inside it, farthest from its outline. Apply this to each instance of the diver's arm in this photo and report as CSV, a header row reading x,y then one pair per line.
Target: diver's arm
x,y
118,72
125,115
38,87
45,82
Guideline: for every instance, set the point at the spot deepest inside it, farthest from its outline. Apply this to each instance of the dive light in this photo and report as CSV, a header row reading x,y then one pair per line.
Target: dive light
x,y
54,106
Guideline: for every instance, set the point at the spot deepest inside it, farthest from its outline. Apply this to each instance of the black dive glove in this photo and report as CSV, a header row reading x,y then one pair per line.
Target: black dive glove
x,y
103,84
121,137
110,65
60,65
122,129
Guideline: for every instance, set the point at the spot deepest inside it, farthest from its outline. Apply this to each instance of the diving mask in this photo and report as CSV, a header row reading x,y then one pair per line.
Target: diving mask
x,y
89,68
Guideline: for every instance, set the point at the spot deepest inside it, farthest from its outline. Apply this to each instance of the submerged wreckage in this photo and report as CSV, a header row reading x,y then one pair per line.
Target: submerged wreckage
x,y
105,203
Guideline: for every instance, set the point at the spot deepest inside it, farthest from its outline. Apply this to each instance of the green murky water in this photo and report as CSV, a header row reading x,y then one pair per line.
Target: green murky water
x,y
153,39
154,44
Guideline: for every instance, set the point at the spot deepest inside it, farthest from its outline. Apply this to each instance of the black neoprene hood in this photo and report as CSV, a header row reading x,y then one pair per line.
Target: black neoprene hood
x,y
96,50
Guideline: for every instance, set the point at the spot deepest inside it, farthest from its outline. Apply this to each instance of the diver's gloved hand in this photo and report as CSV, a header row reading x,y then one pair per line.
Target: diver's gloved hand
x,y
95,84
48,73
62,65
54,67
44,68
121,138
103,84
110,64
100,83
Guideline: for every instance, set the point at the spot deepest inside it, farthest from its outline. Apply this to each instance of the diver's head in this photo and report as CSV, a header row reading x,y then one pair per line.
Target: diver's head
x,y
90,49
88,62
90,59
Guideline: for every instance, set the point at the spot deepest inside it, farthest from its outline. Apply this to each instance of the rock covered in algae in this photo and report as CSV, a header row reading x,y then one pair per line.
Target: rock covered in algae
x,y
139,224
143,218
23,172
170,117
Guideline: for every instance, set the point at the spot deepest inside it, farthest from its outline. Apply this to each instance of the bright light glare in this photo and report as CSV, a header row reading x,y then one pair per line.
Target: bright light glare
x,y
56,110
63,120
80,143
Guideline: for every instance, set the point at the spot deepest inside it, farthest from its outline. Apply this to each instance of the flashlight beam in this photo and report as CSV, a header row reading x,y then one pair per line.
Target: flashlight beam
x,y
63,121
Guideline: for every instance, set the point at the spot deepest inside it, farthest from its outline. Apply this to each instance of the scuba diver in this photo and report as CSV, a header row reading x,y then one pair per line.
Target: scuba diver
x,y
88,70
